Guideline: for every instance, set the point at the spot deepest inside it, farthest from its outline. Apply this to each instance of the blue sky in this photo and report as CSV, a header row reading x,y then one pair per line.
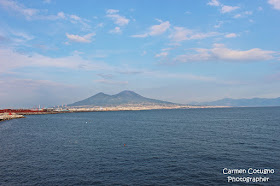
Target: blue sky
x,y
59,51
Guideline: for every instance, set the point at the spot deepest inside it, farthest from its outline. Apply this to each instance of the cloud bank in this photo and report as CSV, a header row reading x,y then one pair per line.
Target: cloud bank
x,y
220,52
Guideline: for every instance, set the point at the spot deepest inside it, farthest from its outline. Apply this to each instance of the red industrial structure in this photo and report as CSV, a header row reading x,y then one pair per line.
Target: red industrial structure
x,y
21,110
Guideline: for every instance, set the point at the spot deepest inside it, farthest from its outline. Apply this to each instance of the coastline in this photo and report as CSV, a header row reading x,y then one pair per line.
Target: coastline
x,y
7,116
133,107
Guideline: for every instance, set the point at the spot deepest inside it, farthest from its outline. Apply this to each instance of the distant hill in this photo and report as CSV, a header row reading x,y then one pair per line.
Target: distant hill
x,y
254,102
123,98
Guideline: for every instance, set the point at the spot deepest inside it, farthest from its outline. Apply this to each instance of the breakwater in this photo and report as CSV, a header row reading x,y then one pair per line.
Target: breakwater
x,y
5,116
9,114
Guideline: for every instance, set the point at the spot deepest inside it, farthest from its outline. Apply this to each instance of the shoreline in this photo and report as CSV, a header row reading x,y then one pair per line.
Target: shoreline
x,y
131,108
6,116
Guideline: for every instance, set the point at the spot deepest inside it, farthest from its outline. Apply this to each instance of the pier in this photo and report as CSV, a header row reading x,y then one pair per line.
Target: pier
x,y
9,116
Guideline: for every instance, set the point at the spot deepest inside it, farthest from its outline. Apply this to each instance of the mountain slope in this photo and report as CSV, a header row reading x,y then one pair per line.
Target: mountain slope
x,y
123,98
254,102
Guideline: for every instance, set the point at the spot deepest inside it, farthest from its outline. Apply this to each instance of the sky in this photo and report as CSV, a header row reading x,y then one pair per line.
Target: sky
x,y
55,52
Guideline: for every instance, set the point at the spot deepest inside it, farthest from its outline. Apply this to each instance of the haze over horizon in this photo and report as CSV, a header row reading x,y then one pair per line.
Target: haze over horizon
x,y
59,52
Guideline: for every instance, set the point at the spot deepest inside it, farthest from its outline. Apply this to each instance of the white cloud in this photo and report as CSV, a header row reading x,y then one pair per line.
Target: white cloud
x,y
167,49
128,71
243,14
214,3
155,29
61,15
36,14
10,60
162,54
140,35
224,8
165,74
27,82
159,29
14,37
72,18
185,76
22,35
19,8
80,39
275,4
231,35
182,34
248,12
112,11
228,9
118,19
75,17
220,53
237,16
203,35
116,30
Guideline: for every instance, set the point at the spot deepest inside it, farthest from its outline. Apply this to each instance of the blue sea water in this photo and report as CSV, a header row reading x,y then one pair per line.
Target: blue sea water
x,y
157,147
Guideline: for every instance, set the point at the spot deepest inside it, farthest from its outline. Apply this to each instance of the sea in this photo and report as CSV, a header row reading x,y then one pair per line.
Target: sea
x,y
210,146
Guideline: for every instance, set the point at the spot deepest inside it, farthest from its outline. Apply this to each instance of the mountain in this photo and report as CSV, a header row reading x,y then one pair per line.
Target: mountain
x,y
123,98
254,102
